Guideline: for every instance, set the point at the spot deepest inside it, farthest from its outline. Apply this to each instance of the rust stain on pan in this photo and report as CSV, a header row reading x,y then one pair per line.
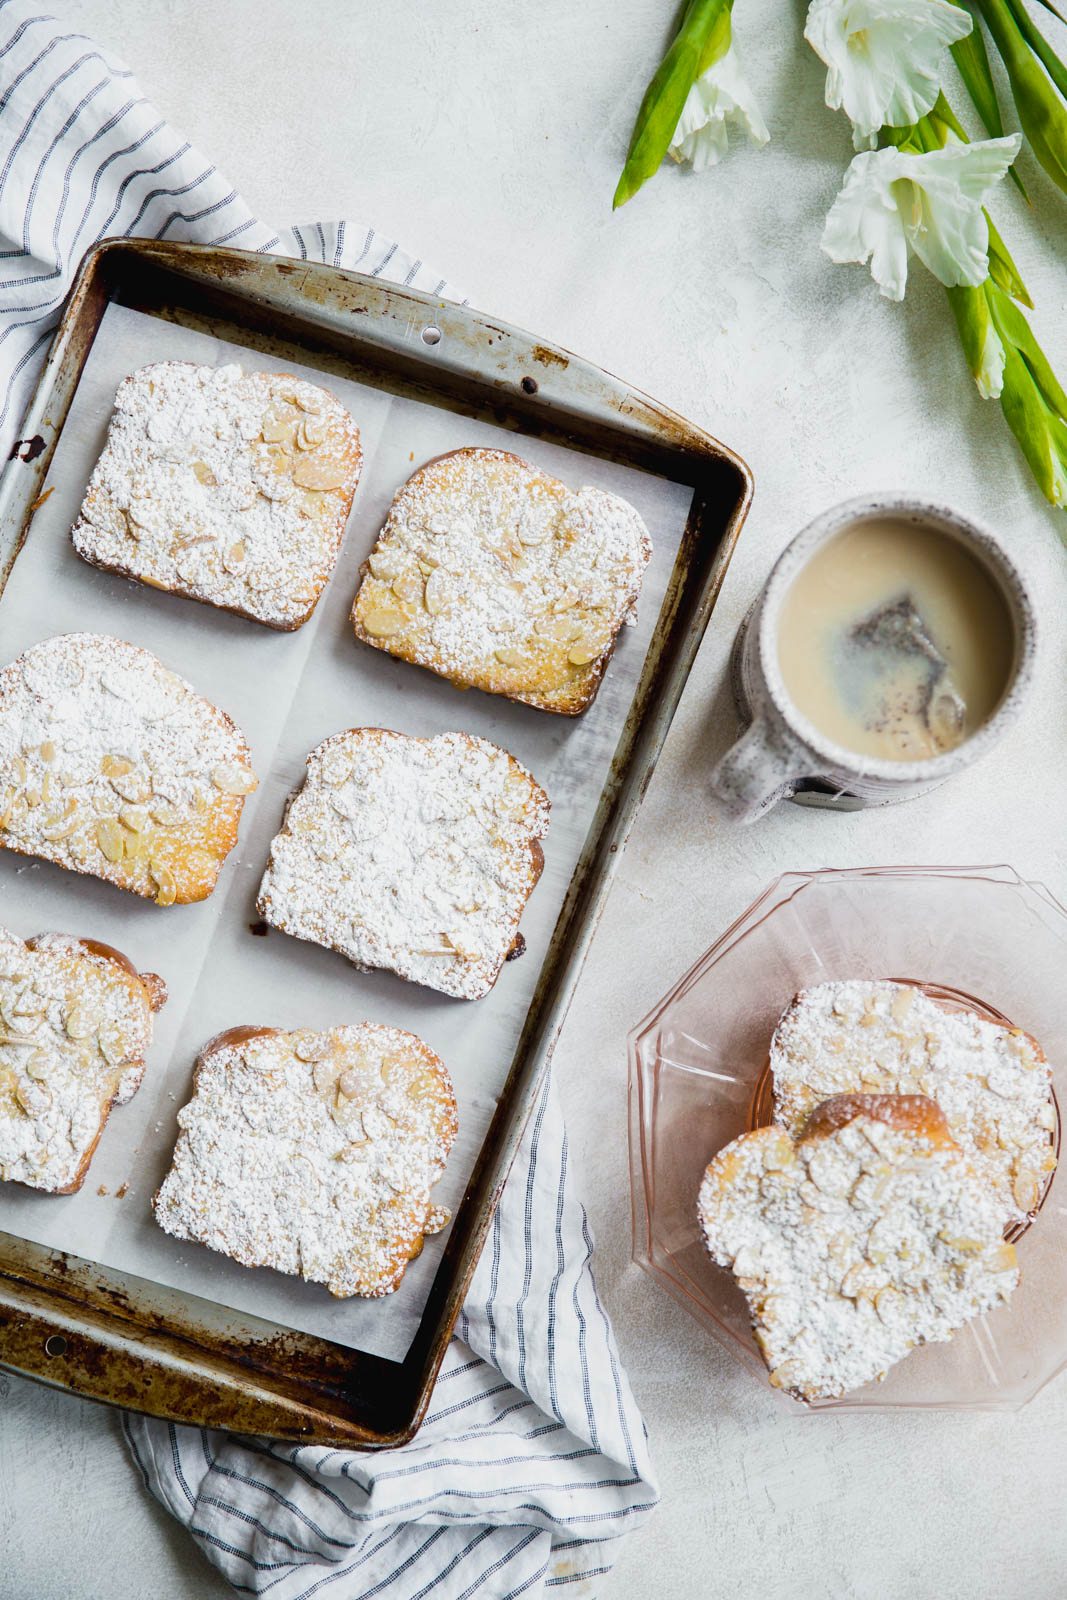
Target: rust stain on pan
x,y
548,357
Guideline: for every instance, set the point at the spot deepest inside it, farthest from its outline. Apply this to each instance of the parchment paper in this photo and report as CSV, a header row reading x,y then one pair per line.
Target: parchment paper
x,y
287,692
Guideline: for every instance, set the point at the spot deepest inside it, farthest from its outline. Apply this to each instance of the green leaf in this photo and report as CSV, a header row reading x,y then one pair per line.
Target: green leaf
x,y
1042,436
1016,331
982,344
1002,268
1040,45
972,59
1042,113
703,38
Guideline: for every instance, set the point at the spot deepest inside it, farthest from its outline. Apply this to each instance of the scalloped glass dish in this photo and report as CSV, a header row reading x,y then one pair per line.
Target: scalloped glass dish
x,y
979,937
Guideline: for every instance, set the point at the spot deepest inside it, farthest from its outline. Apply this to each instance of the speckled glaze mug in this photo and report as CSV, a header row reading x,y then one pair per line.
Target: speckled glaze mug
x,y
781,755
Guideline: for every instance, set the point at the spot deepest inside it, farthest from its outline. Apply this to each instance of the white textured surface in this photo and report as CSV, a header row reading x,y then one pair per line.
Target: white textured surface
x,y
488,138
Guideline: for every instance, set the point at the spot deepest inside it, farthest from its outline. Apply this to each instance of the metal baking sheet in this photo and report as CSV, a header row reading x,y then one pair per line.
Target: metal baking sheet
x,y
287,693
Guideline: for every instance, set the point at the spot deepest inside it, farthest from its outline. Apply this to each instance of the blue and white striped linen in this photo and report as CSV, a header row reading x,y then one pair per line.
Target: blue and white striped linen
x,y
533,1461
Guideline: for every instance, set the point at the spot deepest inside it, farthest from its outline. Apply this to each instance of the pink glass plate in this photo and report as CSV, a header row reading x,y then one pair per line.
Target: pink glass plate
x,y
698,1071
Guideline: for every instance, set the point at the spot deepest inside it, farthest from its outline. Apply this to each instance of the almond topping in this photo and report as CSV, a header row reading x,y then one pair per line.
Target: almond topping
x,y
166,886
580,655
231,778
436,596
111,839
381,622
319,472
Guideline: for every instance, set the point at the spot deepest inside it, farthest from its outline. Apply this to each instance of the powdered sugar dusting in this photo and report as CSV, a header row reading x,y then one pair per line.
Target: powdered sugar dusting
x,y
313,1153
75,1026
113,765
228,487
992,1082
417,855
497,576
852,1247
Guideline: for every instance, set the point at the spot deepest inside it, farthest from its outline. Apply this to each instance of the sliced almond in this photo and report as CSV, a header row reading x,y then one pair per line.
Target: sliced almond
x,y
580,655
278,424
132,786
309,1046
138,846
382,622
509,657
111,839
79,1023
903,1001
234,559
311,433
960,1242
563,630
320,472
383,565
204,474
409,587
437,594
48,752
112,1044
324,1075
33,1103
63,826
115,766
307,400
1026,1190
1003,1258
166,884
231,778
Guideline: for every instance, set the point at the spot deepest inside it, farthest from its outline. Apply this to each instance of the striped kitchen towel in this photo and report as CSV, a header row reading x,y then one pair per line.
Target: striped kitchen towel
x,y
532,1462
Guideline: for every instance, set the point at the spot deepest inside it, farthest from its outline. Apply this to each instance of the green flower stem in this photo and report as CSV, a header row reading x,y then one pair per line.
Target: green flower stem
x,y
703,39
1040,45
972,60
997,340
1042,114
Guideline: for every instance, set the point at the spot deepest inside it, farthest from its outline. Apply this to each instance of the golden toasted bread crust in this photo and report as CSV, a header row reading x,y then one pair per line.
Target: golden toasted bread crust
x,y
225,487
414,855
992,1081
313,1152
870,1234
498,577
112,765
75,1023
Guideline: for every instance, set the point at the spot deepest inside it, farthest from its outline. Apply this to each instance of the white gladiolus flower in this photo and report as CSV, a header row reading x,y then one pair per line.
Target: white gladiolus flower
x,y
720,93
883,58
891,200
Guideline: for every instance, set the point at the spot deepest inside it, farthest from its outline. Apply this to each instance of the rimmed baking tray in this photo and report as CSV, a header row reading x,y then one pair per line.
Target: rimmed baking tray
x,y
107,1334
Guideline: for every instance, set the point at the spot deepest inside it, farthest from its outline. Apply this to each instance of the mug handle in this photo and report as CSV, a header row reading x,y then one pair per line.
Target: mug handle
x,y
757,771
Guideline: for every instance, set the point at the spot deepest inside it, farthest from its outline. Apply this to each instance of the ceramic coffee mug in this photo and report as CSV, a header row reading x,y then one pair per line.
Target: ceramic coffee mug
x,y
782,755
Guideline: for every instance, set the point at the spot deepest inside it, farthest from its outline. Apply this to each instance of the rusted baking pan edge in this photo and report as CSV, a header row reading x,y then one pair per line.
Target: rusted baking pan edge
x,y
115,1338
